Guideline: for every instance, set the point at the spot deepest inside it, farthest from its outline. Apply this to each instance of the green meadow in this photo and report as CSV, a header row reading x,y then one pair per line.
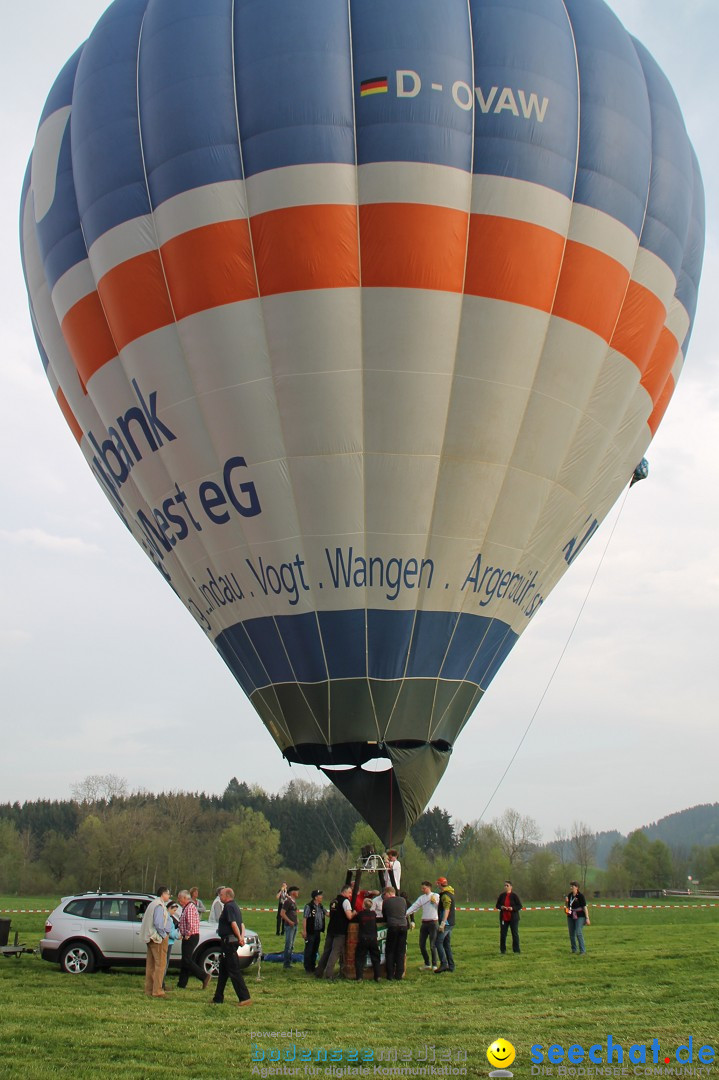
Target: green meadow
x,y
648,974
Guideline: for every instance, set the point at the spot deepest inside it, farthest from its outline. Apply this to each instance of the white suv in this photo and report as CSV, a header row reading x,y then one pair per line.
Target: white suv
x,y
102,930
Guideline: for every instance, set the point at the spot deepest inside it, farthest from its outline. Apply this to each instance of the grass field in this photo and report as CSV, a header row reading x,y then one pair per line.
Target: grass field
x,y
648,974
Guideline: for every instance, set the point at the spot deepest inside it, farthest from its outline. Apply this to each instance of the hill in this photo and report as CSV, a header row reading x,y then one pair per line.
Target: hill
x,y
699,825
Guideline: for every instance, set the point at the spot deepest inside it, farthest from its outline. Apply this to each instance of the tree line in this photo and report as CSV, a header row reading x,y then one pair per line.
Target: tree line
x,y
106,837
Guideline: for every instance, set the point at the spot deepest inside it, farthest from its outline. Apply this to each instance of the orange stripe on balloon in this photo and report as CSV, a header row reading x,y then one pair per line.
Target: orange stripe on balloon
x,y
134,296
639,326
88,337
413,246
69,415
592,289
661,405
306,247
403,245
210,266
660,364
513,261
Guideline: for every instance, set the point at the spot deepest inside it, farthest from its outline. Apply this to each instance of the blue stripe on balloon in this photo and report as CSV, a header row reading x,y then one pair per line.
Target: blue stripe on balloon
x,y
389,636
300,639
478,648
237,649
427,632
335,644
343,637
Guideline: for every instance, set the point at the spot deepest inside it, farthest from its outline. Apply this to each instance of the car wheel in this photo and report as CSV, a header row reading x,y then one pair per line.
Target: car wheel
x,y
78,959
209,960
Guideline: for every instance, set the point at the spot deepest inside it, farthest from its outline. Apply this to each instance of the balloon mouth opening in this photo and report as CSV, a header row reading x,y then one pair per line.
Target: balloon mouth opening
x,y
341,756
374,765
390,799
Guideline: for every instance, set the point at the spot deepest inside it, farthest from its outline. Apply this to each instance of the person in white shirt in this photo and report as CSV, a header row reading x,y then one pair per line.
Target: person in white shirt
x,y
428,901
392,863
216,908
377,902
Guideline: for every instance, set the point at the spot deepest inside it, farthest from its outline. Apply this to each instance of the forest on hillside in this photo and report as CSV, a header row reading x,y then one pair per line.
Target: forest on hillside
x,y
106,837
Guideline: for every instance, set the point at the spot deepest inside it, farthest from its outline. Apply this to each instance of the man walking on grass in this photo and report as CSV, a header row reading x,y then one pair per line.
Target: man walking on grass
x,y
428,902
231,930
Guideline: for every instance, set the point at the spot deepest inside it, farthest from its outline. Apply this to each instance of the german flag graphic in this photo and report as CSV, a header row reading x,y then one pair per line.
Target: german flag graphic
x,y
373,86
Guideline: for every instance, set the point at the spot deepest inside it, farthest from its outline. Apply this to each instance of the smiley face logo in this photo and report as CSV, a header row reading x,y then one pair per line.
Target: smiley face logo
x,y
501,1054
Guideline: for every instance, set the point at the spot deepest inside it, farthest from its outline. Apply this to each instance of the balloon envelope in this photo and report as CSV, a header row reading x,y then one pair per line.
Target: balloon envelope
x,y
362,316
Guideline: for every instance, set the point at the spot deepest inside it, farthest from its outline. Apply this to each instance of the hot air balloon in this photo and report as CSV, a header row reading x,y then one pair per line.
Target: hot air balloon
x,y
362,315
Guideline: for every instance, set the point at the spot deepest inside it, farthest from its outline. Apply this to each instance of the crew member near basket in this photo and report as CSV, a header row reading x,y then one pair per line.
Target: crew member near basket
x,y
231,931
367,941
391,877
509,906
341,914
394,913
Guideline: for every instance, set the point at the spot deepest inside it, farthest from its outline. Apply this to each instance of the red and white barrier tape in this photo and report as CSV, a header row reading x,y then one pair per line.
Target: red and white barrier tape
x,y
594,904
537,907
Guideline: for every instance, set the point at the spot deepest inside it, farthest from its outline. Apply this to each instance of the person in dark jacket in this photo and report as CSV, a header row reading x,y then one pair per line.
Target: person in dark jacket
x,y
231,931
394,913
509,906
577,911
367,942
341,914
313,925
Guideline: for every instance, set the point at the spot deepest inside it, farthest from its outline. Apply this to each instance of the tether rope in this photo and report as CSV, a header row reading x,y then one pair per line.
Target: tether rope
x,y
556,666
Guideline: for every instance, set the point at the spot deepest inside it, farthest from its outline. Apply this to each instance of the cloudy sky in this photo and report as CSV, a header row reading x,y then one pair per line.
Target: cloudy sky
x,y
102,670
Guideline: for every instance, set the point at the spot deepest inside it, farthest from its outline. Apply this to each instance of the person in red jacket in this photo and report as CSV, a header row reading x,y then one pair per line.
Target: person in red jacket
x,y
509,906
